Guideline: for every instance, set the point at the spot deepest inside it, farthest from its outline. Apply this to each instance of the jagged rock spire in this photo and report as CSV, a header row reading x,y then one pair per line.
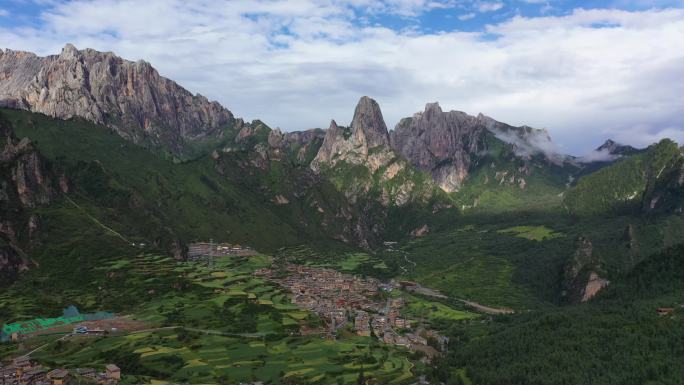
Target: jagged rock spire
x,y
368,122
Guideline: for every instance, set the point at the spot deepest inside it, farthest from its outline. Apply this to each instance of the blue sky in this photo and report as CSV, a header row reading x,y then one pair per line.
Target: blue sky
x,y
585,70
442,16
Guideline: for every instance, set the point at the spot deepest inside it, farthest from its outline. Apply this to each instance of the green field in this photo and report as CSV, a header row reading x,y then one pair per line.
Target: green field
x,y
533,233
223,325
182,356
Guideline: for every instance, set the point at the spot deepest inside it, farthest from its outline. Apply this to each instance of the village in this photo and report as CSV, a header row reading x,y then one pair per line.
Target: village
x,y
23,371
201,250
343,300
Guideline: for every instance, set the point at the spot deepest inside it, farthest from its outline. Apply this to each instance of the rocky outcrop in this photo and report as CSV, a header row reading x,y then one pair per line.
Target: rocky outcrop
x,y
26,182
581,278
29,174
130,97
445,144
365,142
300,146
359,159
449,145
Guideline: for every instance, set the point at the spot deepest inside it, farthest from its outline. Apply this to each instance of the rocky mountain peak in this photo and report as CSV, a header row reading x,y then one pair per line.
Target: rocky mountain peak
x,y
613,148
130,97
368,123
432,109
440,143
69,52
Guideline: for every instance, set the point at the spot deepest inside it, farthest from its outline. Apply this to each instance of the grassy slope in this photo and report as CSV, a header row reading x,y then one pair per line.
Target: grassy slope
x,y
145,199
190,197
516,259
617,339
620,187
543,186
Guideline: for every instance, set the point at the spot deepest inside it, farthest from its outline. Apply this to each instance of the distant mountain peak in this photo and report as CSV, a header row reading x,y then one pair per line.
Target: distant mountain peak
x,y
614,148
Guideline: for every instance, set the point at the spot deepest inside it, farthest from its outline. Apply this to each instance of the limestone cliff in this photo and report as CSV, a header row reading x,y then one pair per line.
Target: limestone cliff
x,y
365,142
581,277
130,97
26,182
445,144
360,161
449,145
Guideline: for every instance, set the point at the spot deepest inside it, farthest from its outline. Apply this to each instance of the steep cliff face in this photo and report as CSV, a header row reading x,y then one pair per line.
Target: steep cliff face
x,y
445,144
581,278
451,145
361,163
130,97
26,182
365,142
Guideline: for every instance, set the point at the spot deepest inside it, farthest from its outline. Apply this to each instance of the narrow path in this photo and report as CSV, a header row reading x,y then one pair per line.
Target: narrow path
x,y
204,331
486,309
44,345
408,260
97,222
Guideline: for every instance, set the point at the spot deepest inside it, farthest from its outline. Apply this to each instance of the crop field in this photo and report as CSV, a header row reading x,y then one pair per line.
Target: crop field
x,y
433,311
348,262
192,357
222,324
533,233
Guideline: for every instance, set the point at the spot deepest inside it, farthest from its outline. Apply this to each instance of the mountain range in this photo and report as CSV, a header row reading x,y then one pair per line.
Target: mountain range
x,y
104,157
431,161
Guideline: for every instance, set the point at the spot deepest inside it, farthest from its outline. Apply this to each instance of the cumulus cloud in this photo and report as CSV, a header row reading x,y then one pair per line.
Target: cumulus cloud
x,y
489,6
586,75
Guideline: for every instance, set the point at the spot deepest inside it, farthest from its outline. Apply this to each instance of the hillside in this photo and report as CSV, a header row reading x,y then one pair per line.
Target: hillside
x,y
631,184
620,338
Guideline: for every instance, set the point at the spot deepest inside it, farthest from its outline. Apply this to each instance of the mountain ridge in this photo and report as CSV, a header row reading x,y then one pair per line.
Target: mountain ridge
x,y
130,97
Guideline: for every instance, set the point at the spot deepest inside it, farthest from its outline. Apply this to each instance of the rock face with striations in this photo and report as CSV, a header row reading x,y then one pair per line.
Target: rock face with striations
x,y
365,142
130,97
441,143
359,160
449,145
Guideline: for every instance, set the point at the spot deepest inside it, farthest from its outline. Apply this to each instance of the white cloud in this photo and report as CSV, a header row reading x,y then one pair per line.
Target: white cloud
x,y
598,156
297,64
489,6
4,12
466,16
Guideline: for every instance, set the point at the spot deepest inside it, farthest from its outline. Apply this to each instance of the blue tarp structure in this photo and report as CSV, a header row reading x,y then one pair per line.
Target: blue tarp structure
x,y
69,316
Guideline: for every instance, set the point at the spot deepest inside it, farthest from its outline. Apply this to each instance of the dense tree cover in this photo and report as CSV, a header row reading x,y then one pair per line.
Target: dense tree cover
x,y
613,340
621,187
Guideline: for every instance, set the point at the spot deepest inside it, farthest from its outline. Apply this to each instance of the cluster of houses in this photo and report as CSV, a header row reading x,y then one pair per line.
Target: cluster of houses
x,y
204,249
330,294
342,298
23,371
